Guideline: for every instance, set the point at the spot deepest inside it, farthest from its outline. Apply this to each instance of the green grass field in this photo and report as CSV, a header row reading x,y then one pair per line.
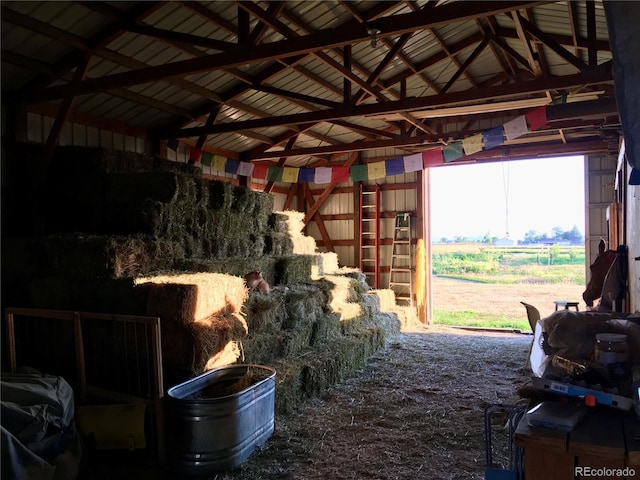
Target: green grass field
x,y
482,286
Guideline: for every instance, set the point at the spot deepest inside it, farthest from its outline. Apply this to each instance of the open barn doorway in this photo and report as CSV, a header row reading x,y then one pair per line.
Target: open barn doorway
x,y
504,233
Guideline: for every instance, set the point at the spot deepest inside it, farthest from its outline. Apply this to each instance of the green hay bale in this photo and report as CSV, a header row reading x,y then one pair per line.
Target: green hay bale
x,y
303,304
278,244
325,328
389,322
145,217
264,312
24,258
102,160
101,257
267,348
244,200
202,192
237,267
278,222
64,293
288,386
252,205
263,209
294,269
134,187
220,195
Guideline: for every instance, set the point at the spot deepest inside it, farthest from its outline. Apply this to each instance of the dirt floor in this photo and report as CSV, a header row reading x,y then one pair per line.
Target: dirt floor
x,y
457,295
415,411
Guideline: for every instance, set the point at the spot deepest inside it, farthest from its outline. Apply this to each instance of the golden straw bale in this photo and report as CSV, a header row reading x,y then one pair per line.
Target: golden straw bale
x,y
302,244
187,298
387,299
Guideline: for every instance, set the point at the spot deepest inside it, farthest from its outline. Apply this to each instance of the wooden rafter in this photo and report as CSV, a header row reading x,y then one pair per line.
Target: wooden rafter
x,y
599,74
549,42
326,240
316,42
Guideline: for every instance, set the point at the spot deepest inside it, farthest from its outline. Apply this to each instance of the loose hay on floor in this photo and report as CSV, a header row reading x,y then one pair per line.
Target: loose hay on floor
x,y
415,411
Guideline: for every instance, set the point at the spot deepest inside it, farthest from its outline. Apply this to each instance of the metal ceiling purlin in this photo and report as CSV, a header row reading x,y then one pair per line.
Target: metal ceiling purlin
x,y
286,48
162,65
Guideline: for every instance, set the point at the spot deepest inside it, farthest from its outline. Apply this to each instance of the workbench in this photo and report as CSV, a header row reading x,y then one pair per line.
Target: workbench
x,y
606,440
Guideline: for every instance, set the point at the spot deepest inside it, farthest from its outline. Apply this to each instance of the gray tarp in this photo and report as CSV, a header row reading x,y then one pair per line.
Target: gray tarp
x,y
39,441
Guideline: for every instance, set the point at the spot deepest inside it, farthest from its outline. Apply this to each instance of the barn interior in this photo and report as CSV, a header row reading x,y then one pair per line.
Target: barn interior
x,y
155,153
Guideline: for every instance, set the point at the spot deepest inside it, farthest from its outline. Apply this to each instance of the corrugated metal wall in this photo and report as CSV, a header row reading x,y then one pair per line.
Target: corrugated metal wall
x,y
38,127
343,230
600,194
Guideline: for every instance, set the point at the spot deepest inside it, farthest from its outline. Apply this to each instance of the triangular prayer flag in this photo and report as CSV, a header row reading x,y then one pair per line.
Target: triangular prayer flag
x,y
232,166
259,172
452,152
323,175
516,127
290,174
206,159
194,154
274,174
358,173
472,144
172,144
431,158
493,137
245,169
537,118
219,163
412,163
340,174
394,166
306,174
376,170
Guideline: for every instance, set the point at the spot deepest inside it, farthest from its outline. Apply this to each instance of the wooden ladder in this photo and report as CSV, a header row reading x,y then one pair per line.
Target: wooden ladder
x,y
402,263
370,234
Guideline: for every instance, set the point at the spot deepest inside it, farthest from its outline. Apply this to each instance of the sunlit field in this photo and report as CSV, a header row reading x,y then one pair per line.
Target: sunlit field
x,y
480,285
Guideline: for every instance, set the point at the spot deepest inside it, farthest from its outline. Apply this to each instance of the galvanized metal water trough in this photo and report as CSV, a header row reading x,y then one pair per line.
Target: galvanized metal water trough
x,y
208,435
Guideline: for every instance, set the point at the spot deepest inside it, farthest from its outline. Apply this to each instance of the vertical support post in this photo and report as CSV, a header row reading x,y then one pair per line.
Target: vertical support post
x,y
423,249
156,353
80,363
11,342
377,239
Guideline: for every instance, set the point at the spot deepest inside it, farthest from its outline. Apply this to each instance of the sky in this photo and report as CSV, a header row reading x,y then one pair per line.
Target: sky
x,y
472,200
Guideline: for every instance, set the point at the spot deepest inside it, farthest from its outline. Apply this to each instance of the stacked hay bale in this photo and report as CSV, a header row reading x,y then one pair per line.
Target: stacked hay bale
x,y
315,333
128,233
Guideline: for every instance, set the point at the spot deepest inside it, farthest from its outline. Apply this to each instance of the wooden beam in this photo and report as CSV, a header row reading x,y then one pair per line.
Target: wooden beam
x,y
328,38
61,118
269,186
186,38
522,35
600,74
591,33
466,64
549,42
318,203
317,218
291,195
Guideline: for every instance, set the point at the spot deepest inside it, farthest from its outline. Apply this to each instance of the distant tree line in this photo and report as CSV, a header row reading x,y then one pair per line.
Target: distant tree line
x,y
557,235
